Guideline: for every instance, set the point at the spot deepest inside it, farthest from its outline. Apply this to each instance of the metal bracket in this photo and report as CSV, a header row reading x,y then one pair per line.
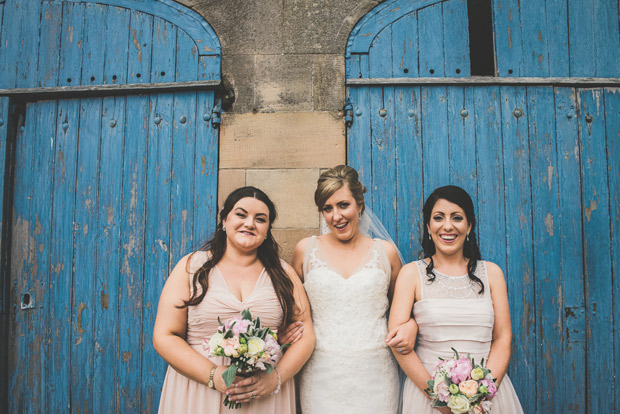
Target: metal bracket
x,y
216,115
27,301
348,113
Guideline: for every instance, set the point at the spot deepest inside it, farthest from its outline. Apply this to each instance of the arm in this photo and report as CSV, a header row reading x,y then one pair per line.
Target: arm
x,y
499,355
169,331
395,265
293,359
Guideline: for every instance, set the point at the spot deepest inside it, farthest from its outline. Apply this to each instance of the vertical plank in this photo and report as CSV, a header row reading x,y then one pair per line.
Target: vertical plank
x,y
597,250
409,175
612,129
209,68
456,38
581,38
461,138
435,148
431,41
49,46
380,55
205,173
5,303
72,43
61,272
557,38
352,64
116,38
405,46
490,198
507,30
547,259
571,248
163,56
358,134
131,275
21,323
4,121
534,35
108,223
383,186
519,245
83,307
606,38
95,18
140,48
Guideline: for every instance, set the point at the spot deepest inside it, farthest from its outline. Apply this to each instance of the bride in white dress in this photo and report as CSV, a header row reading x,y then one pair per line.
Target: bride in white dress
x,y
349,279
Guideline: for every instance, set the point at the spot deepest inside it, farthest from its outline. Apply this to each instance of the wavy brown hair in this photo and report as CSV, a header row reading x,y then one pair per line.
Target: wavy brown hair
x,y
267,252
333,180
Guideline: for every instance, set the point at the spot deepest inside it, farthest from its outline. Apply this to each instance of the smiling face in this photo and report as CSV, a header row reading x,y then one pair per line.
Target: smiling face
x,y
341,213
247,224
448,227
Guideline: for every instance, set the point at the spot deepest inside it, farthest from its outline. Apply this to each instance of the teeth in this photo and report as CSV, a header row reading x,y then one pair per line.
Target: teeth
x,y
446,237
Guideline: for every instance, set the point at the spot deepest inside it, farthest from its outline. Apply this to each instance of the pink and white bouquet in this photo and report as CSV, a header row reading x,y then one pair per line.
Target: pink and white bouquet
x,y
249,346
462,385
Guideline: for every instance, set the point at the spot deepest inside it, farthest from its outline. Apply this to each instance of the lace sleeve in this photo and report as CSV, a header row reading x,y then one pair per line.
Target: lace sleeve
x,y
307,255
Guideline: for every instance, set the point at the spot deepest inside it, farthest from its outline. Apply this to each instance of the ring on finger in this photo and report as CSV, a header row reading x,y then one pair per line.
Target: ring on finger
x,y
252,396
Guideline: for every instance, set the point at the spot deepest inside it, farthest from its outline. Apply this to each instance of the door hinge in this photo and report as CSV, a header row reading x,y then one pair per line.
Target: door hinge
x,y
348,113
216,115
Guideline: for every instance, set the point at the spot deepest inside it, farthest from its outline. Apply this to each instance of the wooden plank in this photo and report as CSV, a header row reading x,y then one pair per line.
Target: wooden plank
x,y
597,250
157,240
435,146
456,38
547,259
405,46
140,48
571,266
131,275
117,42
359,133
352,69
557,38
612,129
606,38
108,224
519,271
461,138
534,35
163,56
490,197
507,31
409,175
5,276
486,80
209,68
61,272
93,56
83,306
4,123
431,41
581,38
70,70
49,46
205,173
380,54
22,321
376,127
383,186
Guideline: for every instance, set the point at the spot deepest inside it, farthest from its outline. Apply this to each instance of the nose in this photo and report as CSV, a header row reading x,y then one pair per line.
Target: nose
x,y
448,225
249,222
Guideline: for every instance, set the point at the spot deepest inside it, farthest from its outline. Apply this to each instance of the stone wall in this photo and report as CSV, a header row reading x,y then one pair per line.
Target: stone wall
x,y
283,61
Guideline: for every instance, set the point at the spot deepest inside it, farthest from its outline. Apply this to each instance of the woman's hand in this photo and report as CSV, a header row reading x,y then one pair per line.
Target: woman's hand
x,y
256,386
218,379
293,333
402,338
445,410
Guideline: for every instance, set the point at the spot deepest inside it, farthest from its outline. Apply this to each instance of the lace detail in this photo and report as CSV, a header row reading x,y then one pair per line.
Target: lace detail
x,y
453,287
351,369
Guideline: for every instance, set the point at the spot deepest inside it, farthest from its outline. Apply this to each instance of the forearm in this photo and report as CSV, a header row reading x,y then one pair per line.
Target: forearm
x,y
499,357
414,369
182,357
296,355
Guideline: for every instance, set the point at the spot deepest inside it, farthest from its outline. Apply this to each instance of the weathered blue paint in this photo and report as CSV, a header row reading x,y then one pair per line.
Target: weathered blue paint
x,y
541,163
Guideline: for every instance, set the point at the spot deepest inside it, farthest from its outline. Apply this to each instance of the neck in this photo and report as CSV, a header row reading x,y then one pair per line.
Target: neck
x,y
351,243
450,260
238,257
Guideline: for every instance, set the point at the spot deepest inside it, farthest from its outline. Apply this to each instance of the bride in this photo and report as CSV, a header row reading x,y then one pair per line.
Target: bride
x,y
349,279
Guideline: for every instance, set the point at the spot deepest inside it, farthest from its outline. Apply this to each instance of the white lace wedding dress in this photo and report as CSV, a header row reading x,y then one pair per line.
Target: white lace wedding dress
x,y
351,369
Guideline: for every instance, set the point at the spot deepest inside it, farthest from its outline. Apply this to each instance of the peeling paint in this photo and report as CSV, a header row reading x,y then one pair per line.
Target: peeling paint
x,y
104,300
549,225
549,176
79,328
110,214
127,356
589,210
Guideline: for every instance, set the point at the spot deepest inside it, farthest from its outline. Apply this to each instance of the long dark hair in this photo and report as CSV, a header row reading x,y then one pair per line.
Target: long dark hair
x,y
459,197
268,254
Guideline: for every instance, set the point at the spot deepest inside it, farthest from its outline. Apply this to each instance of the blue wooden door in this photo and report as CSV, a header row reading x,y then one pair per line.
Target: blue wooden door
x,y
539,158
103,193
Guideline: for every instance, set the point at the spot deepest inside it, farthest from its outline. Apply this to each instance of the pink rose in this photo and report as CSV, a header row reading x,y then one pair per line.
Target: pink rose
x,y
442,390
491,387
240,326
486,406
469,388
461,370
477,410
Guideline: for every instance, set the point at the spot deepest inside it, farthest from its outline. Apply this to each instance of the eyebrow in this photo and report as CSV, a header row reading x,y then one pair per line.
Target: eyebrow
x,y
246,212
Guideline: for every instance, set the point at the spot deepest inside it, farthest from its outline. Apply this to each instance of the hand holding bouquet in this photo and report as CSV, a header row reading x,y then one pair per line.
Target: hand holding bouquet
x,y
249,347
462,385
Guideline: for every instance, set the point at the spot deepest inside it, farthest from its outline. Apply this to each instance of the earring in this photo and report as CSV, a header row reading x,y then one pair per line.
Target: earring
x,y
467,238
224,229
429,236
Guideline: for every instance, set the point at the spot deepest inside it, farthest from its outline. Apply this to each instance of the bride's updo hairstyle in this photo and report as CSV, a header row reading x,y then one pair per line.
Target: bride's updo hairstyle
x,y
458,196
267,253
333,180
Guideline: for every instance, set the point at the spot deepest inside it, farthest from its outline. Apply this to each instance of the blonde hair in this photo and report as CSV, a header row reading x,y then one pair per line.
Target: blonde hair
x,y
333,180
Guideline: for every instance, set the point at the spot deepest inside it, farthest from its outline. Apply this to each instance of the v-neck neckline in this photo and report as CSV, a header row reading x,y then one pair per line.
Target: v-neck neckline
x,y
260,276
357,269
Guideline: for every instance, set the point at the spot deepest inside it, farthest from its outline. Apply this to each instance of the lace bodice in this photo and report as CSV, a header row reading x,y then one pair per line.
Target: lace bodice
x,y
453,287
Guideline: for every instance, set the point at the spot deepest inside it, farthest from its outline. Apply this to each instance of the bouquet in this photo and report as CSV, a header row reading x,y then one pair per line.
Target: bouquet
x,y
249,347
462,385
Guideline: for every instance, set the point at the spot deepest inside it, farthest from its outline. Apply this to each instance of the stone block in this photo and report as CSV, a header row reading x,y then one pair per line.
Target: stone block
x,y
292,191
328,83
283,83
227,181
238,74
282,140
288,239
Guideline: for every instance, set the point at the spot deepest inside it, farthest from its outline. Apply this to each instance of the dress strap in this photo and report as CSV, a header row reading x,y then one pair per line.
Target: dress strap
x,y
384,260
422,273
481,273
308,254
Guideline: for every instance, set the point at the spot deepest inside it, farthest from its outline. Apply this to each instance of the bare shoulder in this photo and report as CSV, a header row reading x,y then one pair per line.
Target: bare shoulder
x,y
410,272
389,248
495,274
302,245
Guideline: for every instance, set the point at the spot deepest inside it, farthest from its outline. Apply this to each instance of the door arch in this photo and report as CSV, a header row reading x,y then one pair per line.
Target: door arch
x,y
538,155
112,178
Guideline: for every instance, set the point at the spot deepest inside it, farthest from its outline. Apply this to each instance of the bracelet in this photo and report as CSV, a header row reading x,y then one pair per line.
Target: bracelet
x,y
277,390
211,384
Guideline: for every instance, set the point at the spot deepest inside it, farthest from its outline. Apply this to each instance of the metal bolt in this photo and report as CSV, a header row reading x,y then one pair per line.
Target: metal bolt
x,y
589,119
65,126
464,113
22,128
157,120
570,114
113,123
206,116
183,119
1,122
382,112
411,113
358,112
518,113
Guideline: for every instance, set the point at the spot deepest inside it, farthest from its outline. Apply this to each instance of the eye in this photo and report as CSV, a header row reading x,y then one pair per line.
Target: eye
x,y
437,218
343,205
261,220
240,215
327,209
457,218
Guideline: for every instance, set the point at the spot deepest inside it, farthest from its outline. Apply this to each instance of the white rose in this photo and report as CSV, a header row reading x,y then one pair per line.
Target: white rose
x,y
438,378
255,345
215,341
459,404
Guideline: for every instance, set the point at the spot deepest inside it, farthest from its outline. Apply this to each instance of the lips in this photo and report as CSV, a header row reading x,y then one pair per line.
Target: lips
x,y
341,227
448,238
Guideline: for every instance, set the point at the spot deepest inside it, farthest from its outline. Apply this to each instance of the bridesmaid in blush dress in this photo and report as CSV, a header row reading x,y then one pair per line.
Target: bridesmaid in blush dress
x,y
459,301
237,269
